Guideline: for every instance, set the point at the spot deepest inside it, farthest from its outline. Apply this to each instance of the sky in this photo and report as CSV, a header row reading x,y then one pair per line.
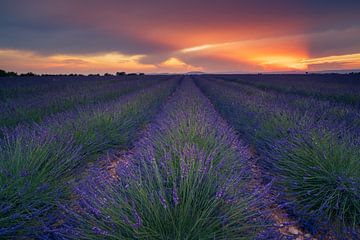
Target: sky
x,y
158,36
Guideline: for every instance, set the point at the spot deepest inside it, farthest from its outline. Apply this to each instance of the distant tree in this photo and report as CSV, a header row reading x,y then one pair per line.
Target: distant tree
x,y
132,74
4,73
141,73
12,74
29,74
108,75
120,73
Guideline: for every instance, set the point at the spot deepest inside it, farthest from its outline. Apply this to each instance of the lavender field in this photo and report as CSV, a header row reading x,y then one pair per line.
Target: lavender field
x,y
180,157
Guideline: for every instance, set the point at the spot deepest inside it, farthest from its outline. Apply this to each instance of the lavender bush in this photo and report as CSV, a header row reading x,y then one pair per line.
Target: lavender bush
x,y
311,153
37,162
187,179
12,88
342,88
27,109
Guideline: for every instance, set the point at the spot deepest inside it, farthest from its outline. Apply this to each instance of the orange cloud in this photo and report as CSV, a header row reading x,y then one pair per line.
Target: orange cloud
x,y
268,54
347,58
273,54
176,65
66,63
260,55
346,61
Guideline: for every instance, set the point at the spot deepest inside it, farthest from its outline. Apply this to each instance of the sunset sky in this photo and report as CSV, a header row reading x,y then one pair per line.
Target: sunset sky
x,y
155,36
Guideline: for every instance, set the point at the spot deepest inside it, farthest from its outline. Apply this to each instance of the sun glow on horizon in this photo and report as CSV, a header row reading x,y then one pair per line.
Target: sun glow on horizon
x,y
274,54
279,62
82,63
262,58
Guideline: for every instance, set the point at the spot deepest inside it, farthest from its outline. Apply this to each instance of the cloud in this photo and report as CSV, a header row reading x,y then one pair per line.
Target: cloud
x,y
87,63
347,61
216,64
176,65
334,42
154,26
242,34
68,63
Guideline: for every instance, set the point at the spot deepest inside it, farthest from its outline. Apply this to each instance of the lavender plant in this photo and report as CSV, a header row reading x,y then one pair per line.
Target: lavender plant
x,y
312,155
341,88
37,162
187,179
29,109
13,88
31,166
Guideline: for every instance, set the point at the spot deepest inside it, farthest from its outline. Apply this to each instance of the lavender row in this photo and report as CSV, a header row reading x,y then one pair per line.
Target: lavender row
x,y
186,179
312,157
37,162
342,88
16,87
12,88
28,109
328,113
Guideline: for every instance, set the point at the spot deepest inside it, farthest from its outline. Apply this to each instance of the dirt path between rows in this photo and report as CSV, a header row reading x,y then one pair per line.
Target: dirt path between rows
x,y
286,225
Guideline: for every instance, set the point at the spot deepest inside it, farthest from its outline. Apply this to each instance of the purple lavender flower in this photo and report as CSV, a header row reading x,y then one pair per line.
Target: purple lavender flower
x,y
176,199
162,200
99,231
138,220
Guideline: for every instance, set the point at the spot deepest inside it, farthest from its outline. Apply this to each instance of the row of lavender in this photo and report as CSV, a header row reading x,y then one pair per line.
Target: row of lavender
x,y
58,98
342,88
18,87
38,162
187,178
14,87
310,148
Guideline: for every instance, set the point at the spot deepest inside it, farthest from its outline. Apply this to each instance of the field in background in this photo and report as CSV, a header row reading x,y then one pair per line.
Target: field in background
x,y
180,157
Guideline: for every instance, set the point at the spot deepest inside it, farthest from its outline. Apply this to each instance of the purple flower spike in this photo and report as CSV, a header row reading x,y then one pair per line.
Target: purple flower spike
x,y
162,200
138,220
175,195
99,231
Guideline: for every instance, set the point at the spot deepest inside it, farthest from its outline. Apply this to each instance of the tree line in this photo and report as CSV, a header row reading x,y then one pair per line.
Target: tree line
x,y
4,73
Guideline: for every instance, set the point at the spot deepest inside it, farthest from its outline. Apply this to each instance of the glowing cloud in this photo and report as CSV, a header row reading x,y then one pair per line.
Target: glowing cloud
x,y
267,54
347,58
176,65
59,63
199,48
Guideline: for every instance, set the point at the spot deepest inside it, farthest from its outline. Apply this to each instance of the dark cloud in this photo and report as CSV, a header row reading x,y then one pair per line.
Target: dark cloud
x,y
136,27
215,64
334,42
72,40
62,27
